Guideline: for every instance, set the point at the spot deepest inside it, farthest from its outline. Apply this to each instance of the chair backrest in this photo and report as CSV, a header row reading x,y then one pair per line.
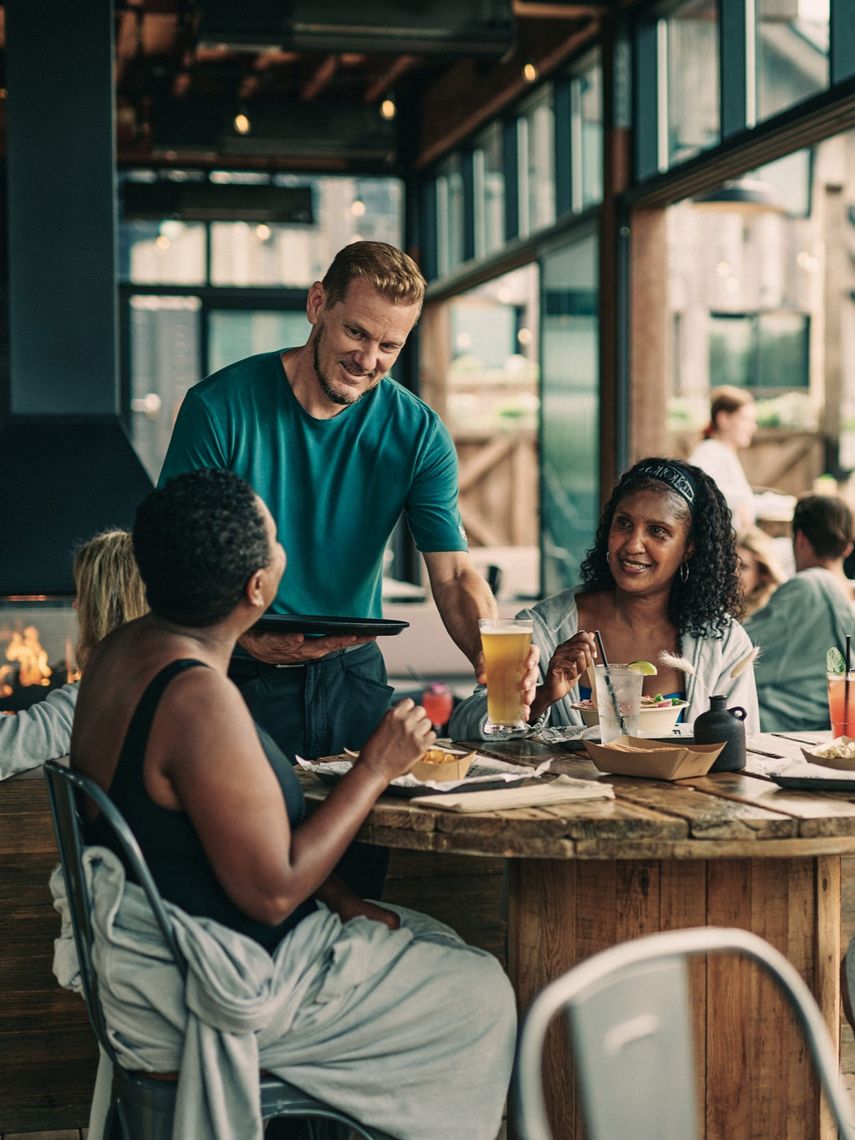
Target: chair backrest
x,y
64,789
629,1025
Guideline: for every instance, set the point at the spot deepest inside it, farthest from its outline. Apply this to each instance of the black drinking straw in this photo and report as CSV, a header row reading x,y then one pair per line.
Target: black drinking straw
x,y
605,662
846,685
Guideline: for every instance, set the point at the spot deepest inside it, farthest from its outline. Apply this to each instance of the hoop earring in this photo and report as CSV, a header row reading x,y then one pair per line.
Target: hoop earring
x,y
684,571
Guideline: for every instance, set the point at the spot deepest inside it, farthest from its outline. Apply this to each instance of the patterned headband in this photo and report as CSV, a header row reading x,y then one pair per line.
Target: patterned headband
x,y
683,482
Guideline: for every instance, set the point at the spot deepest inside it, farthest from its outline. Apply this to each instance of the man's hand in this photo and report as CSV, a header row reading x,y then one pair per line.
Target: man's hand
x,y
294,648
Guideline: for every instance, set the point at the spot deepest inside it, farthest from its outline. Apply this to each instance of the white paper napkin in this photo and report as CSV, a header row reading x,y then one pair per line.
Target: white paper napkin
x,y
560,790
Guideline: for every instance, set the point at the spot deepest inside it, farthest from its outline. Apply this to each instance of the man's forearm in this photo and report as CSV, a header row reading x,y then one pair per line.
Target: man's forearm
x,y
461,601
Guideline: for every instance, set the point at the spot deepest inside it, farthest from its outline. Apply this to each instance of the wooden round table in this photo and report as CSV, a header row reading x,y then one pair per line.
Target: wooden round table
x,y
729,849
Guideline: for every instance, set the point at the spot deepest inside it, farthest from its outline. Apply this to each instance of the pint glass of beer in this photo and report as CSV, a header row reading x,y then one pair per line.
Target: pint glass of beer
x,y
506,644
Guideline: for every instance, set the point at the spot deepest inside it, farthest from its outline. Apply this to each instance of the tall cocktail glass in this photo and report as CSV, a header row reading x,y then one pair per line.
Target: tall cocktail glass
x,y
618,692
842,717
506,644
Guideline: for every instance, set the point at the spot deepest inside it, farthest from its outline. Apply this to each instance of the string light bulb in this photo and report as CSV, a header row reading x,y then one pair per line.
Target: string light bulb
x,y
242,124
388,110
529,72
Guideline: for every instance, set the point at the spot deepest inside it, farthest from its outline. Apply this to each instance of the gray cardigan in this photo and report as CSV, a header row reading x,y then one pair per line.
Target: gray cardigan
x,y
556,619
41,732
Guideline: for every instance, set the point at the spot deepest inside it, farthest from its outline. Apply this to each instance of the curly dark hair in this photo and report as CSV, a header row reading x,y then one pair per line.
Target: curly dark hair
x,y
197,541
701,605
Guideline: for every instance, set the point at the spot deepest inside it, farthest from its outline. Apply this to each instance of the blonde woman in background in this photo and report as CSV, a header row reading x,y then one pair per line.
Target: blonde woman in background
x,y
109,592
733,422
759,569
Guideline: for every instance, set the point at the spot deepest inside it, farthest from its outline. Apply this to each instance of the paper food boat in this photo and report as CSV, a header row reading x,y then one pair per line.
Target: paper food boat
x,y
839,763
442,764
652,759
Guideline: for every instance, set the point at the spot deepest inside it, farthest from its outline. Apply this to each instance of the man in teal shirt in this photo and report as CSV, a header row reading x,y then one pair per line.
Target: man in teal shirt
x,y
338,451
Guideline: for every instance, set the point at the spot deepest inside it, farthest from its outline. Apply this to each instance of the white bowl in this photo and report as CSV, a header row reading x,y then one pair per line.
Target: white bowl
x,y
654,720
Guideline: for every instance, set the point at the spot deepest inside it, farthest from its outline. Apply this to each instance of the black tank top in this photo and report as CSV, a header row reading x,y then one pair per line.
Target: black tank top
x,y
171,847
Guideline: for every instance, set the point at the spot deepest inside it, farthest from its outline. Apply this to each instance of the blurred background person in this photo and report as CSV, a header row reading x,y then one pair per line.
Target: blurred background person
x,y
109,592
759,570
804,618
733,422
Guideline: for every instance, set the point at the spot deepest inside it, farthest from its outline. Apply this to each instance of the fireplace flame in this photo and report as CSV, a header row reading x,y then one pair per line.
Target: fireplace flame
x,y
26,649
5,687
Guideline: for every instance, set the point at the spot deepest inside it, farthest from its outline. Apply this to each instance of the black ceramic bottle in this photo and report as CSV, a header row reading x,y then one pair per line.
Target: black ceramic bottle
x,y
722,724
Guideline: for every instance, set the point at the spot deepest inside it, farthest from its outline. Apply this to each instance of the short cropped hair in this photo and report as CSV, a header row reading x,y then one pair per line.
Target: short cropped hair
x,y
198,540
109,589
826,522
385,267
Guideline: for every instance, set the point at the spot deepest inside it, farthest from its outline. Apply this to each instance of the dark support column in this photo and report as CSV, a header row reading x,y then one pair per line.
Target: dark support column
x,y
60,119
736,66
511,155
842,40
563,105
645,98
612,284
469,205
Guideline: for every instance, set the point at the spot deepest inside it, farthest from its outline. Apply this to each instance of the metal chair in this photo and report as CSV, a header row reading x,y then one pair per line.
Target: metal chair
x,y
142,1106
628,1022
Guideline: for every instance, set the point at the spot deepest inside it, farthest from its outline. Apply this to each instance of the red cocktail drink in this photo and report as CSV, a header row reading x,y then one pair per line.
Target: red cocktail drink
x,y
841,705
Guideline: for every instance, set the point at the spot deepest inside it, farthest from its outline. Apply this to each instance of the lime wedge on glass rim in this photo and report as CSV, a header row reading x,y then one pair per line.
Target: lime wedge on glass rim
x,y
834,661
645,668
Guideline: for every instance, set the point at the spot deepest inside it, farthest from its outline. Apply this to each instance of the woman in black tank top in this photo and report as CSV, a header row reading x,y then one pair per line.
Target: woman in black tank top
x,y
212,801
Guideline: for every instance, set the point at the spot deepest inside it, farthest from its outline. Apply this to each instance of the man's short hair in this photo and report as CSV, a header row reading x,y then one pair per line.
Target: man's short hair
x,y
826,522
385,267
198,540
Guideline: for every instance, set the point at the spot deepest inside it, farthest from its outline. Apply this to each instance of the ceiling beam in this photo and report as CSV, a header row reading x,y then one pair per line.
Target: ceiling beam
x,y
389,78
534,10
320,80
465,98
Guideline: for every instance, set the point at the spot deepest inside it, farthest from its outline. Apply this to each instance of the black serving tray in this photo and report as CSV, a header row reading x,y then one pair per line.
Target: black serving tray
x,y
316,626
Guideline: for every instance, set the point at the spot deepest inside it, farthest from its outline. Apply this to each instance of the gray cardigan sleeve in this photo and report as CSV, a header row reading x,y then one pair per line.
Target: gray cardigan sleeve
x,y
41,732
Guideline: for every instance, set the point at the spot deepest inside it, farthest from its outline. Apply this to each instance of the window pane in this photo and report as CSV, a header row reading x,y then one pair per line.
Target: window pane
x,y
571,411
449,216
591,102
792,52
344,210
490,192
167,252
235,335
783,351
538,194
731,356
693,80
164,364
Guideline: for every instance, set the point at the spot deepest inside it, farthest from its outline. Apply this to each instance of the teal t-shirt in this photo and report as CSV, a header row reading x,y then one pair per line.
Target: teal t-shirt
x,y
336,487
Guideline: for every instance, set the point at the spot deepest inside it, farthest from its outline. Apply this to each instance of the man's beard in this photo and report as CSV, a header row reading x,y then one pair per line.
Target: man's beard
x,y
345,398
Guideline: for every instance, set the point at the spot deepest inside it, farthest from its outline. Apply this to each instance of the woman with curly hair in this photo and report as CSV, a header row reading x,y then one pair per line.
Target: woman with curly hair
x,y
661,576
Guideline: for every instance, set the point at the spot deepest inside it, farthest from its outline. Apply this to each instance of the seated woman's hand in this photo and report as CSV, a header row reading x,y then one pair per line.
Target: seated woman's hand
x,y
398,741
566,666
